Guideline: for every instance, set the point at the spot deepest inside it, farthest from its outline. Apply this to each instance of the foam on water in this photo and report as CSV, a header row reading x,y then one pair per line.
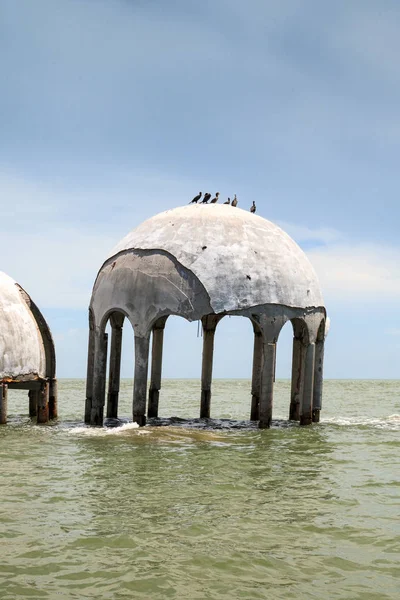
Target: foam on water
x,y
103,431
392,422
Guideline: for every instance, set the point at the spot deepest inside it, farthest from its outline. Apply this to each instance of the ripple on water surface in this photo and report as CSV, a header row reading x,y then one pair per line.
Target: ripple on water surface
x,y
200,509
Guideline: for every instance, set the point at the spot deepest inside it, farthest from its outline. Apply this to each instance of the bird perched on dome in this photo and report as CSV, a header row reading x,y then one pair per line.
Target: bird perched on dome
x,y
228,201
253,208
215,199
196,198
234,201
206,198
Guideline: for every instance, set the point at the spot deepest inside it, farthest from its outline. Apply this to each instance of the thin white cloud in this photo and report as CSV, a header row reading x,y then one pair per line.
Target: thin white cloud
x,y
395,331
350,271
57,267
302,233
24,198
364,273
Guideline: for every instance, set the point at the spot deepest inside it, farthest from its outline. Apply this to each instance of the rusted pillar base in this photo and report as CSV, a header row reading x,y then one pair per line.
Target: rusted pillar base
x,y
315,415
305,419
139,419
140,381
205,404
308,388
3,403
32,395
88,410
43,403
112,404
53,391
255,407
97,416
154,397
294,410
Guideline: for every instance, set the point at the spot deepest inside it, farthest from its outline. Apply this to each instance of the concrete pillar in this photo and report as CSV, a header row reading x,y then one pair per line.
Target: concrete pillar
x,y
209,326
3,403
53,389
43,403
256,375
99,379
267,384
298,362
140,381
318,380
115,372
89,375
156,369
308,386
33,398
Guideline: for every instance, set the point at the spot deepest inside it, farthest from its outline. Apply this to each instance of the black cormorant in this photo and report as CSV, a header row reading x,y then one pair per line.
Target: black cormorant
x,y
253,208
214,200
228,201
234,201
196,198
206,198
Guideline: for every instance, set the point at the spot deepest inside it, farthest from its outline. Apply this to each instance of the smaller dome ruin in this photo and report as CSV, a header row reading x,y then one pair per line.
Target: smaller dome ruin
x,y
27,356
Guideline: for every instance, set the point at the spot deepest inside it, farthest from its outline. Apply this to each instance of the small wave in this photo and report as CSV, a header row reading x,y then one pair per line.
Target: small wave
x,y
391,422
103,431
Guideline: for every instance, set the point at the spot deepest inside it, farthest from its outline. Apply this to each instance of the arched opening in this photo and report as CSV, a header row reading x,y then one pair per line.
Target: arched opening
x,y
290,363
283,371
232,368
176,348
119,365
104,358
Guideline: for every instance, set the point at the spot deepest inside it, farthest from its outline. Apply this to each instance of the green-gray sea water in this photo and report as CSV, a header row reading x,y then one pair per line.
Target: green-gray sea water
x,y
195,510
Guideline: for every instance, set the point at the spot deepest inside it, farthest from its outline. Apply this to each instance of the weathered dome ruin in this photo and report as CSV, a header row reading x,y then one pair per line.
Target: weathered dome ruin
x,y
203,262
27,357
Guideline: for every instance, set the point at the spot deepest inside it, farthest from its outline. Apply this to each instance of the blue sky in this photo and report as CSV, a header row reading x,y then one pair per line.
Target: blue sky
x,y
113,111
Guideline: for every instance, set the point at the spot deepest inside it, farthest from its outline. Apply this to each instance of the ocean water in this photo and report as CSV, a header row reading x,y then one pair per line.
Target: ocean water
x,y
197,510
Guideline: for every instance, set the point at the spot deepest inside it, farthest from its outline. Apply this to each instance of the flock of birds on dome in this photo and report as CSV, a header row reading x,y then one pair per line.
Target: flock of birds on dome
x,y
207,198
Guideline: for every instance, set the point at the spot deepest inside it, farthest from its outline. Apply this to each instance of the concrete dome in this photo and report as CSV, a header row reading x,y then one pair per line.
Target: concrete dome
x,y
22,352
241,259
203,262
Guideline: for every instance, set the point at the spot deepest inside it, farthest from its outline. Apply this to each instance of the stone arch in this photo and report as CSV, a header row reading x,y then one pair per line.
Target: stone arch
x,y
211,325
112,314
97,364
116,319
